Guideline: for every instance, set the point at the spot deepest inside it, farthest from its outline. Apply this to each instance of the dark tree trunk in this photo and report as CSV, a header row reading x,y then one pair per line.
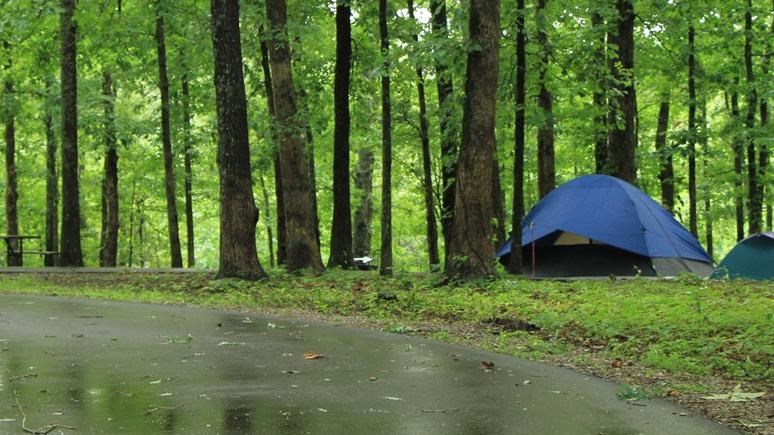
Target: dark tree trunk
x,y
238,214
302,249
267,219
545,133
11,188
600,102
498,204
763,163
666,175
471,252
176,259
52,184
71,254
109,236
692,219
738,164
385,265
514,262
188,175
754,200
278,196
341,228
364,211
707,190
427,180
311,162
445,88
622,139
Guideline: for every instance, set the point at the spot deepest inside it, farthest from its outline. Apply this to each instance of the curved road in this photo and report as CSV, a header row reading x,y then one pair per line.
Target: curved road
x,y
111,368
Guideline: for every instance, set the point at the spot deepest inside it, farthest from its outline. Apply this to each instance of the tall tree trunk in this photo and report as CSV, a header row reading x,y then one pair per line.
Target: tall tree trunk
x,y
707,190
427,180
267,219
445,87
341,228
303,251
600,102
311,162
52,184
109,235
754,199
11,189
666,175
188,172
692,219
385,265
71,254
622,139
471,254
763,162
238,214
545,133
498,204
738,147
176,259
278,196
364,212
514,261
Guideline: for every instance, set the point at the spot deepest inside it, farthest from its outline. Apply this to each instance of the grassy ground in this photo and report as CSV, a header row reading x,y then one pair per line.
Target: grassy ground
x,y
682,339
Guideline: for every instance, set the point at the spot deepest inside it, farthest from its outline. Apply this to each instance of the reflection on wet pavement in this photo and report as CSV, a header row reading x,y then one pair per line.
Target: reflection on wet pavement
x,y
111,368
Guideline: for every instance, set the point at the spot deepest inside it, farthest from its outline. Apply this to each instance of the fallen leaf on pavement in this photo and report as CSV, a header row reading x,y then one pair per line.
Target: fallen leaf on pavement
x,y
313,355
487,365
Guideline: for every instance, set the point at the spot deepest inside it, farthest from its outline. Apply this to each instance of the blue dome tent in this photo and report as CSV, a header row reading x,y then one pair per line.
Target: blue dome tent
x,y
597,225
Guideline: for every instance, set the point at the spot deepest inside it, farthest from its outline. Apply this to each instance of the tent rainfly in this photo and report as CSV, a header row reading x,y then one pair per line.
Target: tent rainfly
x,y
752,258
597,225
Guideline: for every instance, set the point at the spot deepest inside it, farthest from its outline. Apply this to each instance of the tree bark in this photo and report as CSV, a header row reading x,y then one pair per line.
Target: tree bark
x,y
754,199
364,211
707,190
71,255
11,188
763,161
692,219
738,147
238,214
303,251
267,219
471,254
427,180
600,102
666,175
278,196
498,204
52,184
445,88
622,139
176,259
188,172
109,235
385,264
341,227
545,132
514,261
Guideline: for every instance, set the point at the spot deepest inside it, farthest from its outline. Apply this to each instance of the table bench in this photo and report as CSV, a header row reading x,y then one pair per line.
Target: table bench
x,y
14,249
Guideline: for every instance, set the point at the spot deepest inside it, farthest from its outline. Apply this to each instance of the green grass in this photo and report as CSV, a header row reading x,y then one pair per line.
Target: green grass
x,y
685,326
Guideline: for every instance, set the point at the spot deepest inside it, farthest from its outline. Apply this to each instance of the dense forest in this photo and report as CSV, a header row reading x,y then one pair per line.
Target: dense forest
x,y
304,133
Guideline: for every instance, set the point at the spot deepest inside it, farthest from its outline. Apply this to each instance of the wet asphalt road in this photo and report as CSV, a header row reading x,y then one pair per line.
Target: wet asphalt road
x,y
111,368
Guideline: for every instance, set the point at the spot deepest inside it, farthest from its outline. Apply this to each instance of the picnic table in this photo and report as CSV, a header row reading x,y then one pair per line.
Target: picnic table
x,y
14,245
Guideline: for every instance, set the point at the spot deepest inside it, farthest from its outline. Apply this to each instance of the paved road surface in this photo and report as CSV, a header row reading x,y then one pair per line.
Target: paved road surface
x,y
112,368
